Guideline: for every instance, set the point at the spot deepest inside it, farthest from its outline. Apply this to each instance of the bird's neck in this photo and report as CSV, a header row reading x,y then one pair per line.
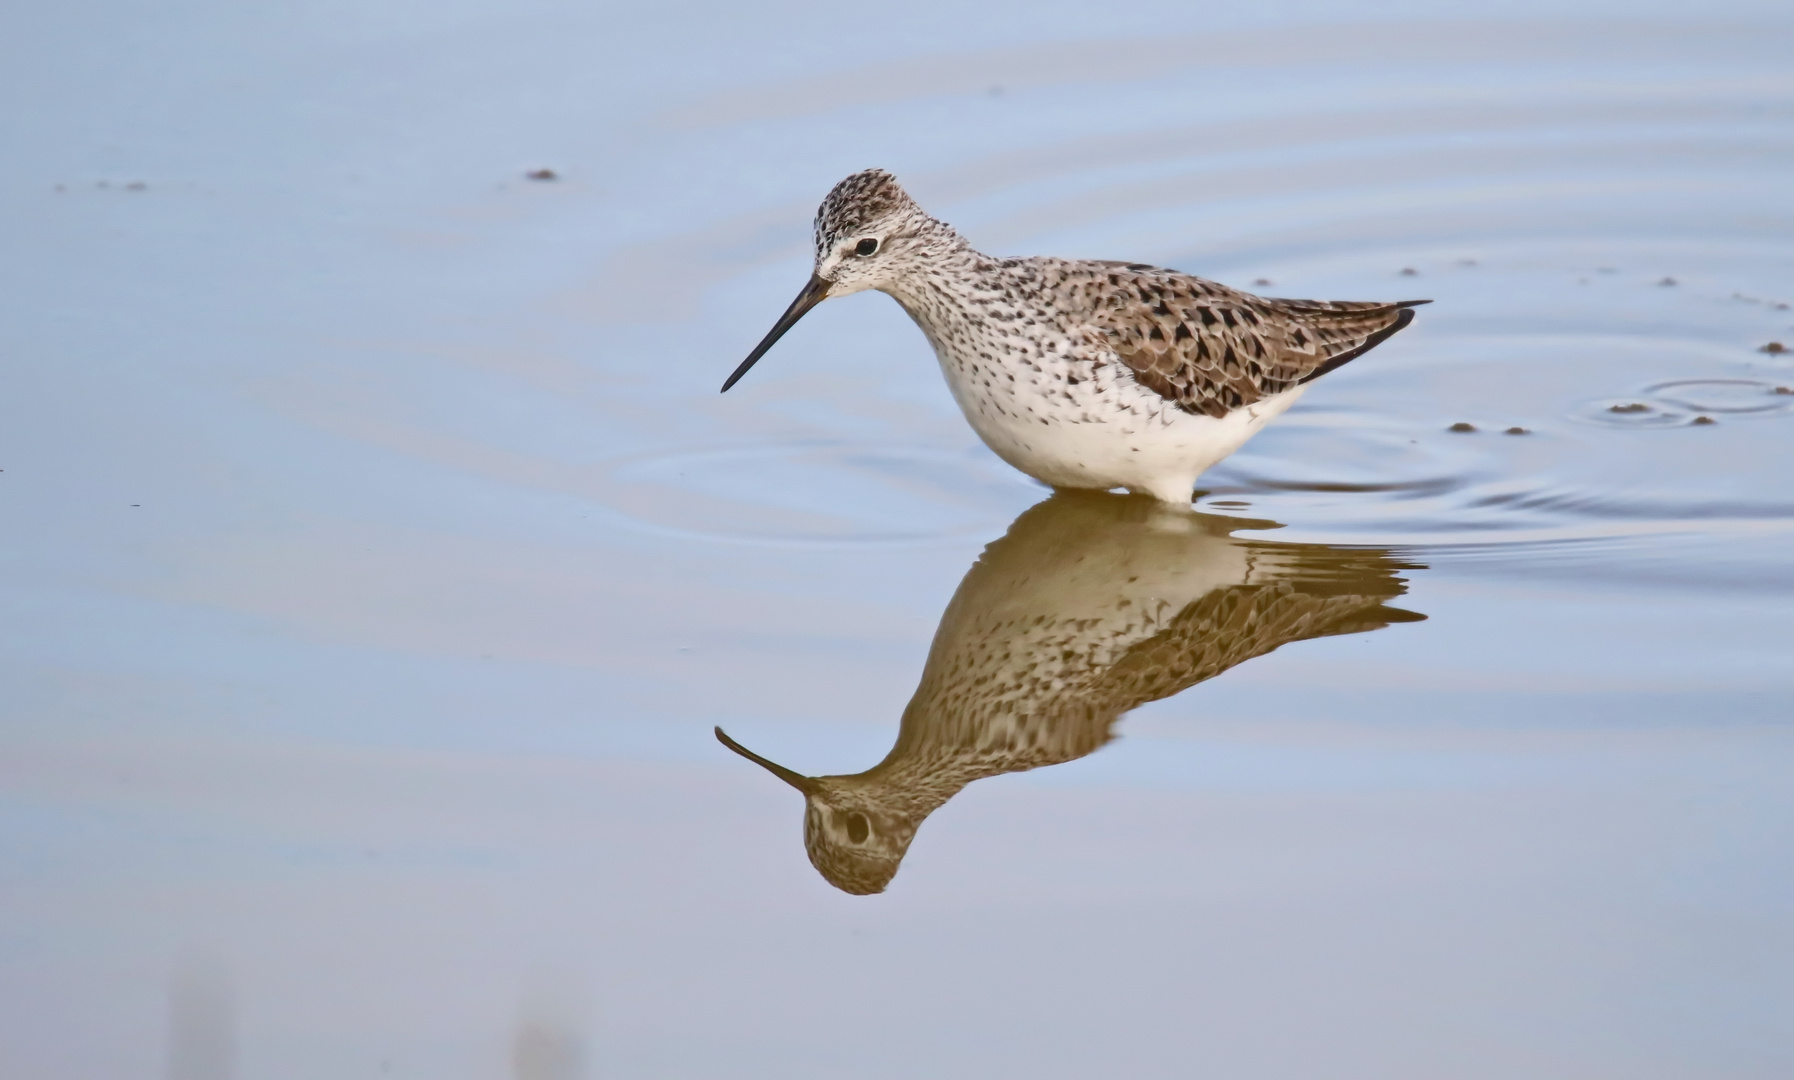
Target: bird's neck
x,y
951,289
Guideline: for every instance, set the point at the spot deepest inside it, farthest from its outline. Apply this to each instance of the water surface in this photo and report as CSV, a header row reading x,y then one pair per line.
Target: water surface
x,y
379,556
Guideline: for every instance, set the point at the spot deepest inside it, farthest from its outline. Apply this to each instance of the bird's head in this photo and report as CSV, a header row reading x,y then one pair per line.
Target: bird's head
x,y
869,234
854,839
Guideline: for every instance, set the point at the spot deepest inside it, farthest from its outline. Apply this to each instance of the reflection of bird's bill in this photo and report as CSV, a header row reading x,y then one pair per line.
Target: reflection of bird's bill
x,y
814,293
795,779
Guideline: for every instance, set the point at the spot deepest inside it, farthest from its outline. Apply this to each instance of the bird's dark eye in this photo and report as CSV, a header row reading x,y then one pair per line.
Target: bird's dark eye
x,y
865,247
858,828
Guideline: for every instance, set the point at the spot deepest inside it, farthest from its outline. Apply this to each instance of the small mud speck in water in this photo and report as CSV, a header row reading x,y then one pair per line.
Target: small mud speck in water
x,y
136,185
1667,281
542,174
1784,389
1460,426
1261,281
1703,420
1634,407
1466,262
1409,271
1774,347
1517,431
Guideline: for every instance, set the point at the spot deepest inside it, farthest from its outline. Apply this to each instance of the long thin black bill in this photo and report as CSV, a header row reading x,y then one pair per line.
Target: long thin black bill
x,y
795,779
814,293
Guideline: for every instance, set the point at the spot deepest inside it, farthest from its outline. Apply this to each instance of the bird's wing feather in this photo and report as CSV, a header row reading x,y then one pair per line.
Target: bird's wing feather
x,y
1210,349
1040,688
1228,627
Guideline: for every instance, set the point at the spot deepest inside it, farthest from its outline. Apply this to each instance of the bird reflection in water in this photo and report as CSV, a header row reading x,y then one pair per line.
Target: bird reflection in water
x,y
1092,605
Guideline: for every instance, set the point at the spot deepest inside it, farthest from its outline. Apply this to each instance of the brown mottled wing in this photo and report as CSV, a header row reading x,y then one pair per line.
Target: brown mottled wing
x,y
1211,349
1019,696
1230,626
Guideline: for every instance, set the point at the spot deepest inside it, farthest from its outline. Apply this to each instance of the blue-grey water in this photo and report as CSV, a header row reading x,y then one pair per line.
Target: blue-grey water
x,y
376,554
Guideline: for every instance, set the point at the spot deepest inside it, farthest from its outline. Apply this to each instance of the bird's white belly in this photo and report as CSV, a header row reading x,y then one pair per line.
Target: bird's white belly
x,y
1125,436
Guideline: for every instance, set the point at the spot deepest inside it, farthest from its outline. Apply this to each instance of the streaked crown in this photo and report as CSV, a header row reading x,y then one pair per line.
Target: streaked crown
x,y
857,203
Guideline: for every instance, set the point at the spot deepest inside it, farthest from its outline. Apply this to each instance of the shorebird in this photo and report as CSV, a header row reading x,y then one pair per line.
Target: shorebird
x,y
1092,605
1084,373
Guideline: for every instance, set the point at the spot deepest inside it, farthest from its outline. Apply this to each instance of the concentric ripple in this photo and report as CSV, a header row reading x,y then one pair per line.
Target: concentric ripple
x,y
1684,402
1522,439
1603,232
1739,397
1605,249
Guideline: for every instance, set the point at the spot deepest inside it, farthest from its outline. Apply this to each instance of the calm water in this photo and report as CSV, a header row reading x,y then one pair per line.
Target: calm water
x,y
379,556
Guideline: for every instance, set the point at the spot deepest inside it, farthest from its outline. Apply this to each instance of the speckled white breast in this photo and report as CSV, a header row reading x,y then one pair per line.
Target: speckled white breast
x,y
1063,409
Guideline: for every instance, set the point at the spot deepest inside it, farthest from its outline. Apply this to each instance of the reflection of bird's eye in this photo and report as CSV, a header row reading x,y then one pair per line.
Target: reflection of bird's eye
x,y
865,247
858,828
